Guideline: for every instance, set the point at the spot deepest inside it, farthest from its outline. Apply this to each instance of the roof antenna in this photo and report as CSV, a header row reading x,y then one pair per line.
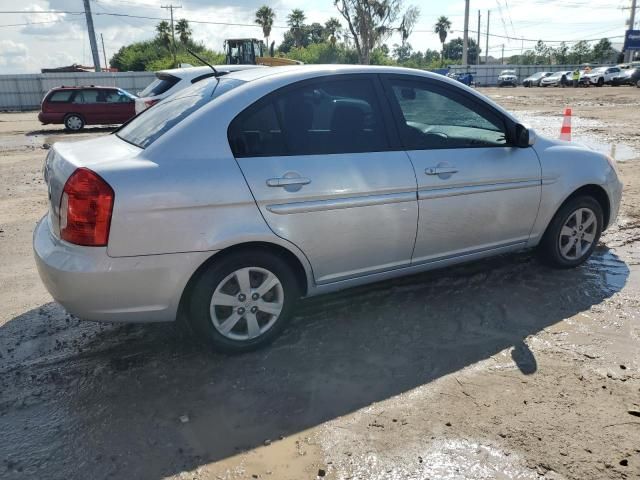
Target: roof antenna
x,y
215,72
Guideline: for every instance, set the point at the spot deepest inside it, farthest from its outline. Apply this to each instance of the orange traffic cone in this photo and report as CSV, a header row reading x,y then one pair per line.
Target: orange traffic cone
x,y
565,131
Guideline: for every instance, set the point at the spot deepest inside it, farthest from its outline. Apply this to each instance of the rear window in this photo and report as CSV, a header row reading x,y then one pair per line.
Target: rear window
x,y
154,122
160,85
60,96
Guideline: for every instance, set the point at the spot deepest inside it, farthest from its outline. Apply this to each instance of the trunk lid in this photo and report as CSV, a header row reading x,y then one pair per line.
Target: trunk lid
x,y
64,158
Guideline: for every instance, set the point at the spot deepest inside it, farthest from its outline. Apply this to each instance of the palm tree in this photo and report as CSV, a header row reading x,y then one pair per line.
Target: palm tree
x,y
295,20
264,17
331,28
183,29
164,33
442,28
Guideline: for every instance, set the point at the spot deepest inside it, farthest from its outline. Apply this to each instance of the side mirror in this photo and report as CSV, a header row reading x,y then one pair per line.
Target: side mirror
x,y
525,137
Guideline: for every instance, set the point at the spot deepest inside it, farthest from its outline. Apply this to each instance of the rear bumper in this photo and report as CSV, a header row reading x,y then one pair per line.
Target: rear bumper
x,y
94,286
50,117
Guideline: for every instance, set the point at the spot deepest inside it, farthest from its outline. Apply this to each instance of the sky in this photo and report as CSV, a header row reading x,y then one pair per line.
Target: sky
x,y
30,41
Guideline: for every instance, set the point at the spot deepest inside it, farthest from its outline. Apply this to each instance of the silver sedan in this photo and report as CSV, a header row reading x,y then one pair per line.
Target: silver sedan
x,y
230,200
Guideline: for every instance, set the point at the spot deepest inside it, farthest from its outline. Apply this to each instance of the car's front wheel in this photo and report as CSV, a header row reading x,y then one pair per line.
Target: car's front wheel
x,y
73,122
573,233
243,301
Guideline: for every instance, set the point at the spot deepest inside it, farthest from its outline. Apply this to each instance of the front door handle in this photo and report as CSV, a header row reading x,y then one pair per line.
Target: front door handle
x,y
441,170
287,182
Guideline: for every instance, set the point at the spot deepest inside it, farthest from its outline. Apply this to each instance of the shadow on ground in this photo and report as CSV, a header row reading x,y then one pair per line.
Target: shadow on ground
x,y
61,130
84,400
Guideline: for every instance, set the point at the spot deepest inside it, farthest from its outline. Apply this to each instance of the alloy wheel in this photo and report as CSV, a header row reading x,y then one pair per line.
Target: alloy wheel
x,y
246,303
578,234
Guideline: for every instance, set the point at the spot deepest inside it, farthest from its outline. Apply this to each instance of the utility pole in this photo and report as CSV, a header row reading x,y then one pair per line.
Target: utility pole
x,y
173,36
465,45
502,61
486,50
478,42
628,55
104,53
92,36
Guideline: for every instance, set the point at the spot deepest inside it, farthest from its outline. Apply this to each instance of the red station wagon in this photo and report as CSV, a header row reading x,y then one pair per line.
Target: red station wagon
x,y
80,106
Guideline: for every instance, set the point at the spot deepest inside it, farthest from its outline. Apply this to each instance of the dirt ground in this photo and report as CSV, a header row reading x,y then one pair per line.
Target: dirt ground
x,y
502,369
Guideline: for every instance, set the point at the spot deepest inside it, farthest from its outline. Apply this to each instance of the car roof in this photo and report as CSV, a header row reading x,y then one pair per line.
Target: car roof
x,y
192,72
77,87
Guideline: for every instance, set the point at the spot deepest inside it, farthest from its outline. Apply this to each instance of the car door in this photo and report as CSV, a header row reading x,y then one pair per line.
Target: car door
x,y
475,192
87,103
317,156
118,107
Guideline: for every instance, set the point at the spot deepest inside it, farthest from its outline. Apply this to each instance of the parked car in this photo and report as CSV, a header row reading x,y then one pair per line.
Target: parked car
x,y
465,77
601,76
229,201
168,82
535,79
508,77
76,107
627,77
557,79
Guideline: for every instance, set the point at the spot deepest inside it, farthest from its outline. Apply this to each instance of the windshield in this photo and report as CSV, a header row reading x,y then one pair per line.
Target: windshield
x,y
160,85
146,128
508,72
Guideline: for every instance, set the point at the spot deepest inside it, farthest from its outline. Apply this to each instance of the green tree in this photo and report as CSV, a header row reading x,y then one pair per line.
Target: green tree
x,y
442,28
602,51
453,50
580,52
295,20
409,20
370,23
332,28
542,53
315,33
562,53
184,30
265,17
163,30
402,53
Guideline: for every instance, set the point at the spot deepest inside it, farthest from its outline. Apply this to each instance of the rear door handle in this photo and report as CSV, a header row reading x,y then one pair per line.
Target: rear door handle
x,y
285,182
441,170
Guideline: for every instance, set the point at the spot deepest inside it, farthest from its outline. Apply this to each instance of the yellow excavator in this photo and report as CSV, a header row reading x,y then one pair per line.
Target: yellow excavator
x,y
251,51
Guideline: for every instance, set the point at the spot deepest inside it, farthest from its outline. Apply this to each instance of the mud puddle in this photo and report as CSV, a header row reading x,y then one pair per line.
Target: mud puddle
x,y
586,131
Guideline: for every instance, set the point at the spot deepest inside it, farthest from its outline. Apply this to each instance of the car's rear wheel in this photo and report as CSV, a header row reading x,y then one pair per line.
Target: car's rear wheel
x,y
573,233
243,301
74,122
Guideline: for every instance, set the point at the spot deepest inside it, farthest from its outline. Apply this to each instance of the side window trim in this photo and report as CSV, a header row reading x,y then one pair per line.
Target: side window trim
x,y
439,87
273,97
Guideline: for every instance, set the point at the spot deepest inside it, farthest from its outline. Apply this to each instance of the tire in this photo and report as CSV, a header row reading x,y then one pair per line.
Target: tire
x,y
551,248
73,122
256,268
638,84
600,82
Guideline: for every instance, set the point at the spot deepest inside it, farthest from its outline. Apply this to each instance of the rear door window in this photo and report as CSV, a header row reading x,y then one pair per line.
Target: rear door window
x,y
160,85
326,116
86,96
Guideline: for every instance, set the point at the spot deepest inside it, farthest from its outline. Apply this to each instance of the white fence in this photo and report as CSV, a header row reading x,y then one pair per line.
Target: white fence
x,y
24,92
487,75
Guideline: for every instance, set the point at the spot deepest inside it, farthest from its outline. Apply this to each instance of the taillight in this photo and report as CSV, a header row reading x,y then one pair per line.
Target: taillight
x,y
85,209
